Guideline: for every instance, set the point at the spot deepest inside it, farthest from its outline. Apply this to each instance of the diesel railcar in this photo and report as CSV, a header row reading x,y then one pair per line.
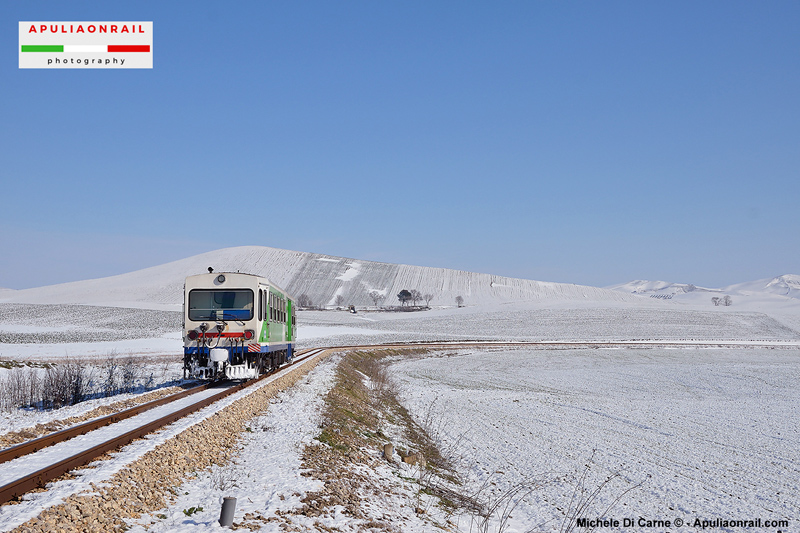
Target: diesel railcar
x,y
236,326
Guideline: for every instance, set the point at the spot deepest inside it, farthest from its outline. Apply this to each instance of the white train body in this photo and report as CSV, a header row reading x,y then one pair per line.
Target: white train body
x,y
236,326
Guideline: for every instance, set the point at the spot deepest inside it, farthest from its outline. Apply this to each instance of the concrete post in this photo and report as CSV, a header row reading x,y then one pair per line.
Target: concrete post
x,y
228,509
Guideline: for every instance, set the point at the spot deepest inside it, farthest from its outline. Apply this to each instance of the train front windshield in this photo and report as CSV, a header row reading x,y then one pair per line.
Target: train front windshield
x,y
210,304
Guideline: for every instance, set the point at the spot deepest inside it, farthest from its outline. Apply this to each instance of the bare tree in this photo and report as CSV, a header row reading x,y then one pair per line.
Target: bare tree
x,y
304,300
415,296
376,297
715,300
726,301
427,297
459,301
339,300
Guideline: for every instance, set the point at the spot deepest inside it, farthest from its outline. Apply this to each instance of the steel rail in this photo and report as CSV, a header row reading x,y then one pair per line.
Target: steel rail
x,y
38,479
569,344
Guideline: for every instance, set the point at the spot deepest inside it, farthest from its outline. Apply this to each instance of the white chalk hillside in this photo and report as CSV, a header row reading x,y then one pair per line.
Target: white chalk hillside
x,y
321,277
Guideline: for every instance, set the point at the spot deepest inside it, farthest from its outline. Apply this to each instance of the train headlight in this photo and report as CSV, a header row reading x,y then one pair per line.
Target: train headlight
x,y
249,334
192,334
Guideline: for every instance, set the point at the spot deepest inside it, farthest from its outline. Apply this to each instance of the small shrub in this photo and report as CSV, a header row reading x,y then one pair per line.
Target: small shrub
x,y
223,479
192,510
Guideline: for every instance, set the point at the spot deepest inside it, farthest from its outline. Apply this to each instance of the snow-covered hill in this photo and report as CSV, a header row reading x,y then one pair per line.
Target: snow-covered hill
x,y
787,285
321,277
658,287
770,294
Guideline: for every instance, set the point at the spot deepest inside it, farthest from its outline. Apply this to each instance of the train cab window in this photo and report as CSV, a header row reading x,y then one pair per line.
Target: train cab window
x,y
214,304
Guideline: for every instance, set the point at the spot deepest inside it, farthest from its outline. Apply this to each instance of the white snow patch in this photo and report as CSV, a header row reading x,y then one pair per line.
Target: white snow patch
x,y
305,333
351,272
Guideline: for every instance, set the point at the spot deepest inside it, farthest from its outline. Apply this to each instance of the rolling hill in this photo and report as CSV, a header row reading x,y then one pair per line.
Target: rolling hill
x,y
321,277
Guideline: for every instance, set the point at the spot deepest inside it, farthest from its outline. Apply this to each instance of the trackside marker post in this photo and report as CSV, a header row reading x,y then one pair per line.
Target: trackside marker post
x,y
227,512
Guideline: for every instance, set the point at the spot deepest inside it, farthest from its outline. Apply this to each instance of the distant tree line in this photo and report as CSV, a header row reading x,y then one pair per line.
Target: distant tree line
x,y
405,296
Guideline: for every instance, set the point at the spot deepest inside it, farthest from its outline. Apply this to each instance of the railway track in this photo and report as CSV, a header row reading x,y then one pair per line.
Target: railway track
x,y
100,436
445,345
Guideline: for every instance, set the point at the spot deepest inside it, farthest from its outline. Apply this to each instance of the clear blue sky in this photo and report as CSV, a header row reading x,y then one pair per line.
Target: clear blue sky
x,y
582,142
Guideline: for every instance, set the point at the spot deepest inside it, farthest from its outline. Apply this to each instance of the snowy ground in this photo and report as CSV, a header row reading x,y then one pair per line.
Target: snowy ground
x,y
45,332
266,474
24,418
710,433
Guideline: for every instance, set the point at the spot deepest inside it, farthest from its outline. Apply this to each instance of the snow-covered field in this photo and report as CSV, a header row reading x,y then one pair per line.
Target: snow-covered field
x,y
87,331
709,433
532,323
29,331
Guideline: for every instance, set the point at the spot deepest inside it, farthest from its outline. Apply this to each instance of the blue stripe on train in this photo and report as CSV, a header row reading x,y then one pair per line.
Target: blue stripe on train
x,y
194,350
